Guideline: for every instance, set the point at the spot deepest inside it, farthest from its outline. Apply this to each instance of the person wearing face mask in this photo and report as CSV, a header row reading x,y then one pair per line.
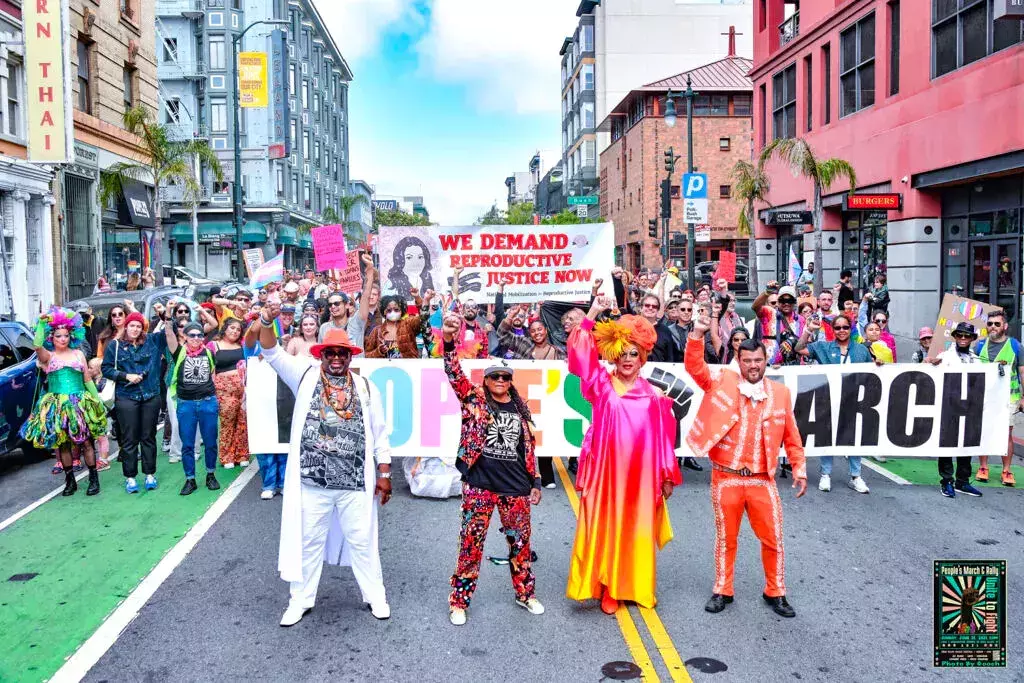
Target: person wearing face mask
x,y
742,422
339,464
627,469
396,336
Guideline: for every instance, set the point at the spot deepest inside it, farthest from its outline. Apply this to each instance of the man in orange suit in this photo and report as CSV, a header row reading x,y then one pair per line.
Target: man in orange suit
x,y
741,424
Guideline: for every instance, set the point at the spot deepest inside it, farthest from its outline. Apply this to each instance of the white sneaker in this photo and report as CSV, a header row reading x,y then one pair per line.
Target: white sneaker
x,y
825,483
858,485
879,458
550,486
267,495
381,610
457,617
174,458
244,463
294,614
532,606
229,465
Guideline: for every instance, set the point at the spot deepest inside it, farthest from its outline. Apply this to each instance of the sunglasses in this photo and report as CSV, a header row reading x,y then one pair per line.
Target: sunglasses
x,y
961,335
686,310
500,377
787,300
469,307
434,307
650,306
881,321
995,323
182,311
194,335
117,315
837,328
925,339
335,303
331,354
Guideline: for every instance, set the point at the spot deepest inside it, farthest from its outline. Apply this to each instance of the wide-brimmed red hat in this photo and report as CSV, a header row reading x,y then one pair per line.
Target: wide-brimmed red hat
x,y
337,338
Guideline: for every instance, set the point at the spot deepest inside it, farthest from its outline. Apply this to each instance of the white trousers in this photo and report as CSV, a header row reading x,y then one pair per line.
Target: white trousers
x,y
172,416
319,506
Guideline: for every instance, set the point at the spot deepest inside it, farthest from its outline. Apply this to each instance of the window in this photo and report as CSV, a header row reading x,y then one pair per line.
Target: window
x,y
894,48
965,31
724,144
172,108
305,194
128,84
305,146
742,105
784,103
587,74
279,178
719,105
291,80
84,77
295,188
808,81
305,94
702,105
294,133
221,187
170,49
762,14
724,191
219,115
675,192
857,65
13,111
590,153
218,58
317,154
826,97
588,38
588,114
316,104
763,115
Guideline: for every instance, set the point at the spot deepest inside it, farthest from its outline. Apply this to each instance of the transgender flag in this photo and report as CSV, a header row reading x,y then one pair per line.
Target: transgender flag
x,y
270,271
794,267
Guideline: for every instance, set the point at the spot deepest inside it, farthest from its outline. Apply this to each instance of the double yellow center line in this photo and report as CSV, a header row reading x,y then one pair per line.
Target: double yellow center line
x,y
627,625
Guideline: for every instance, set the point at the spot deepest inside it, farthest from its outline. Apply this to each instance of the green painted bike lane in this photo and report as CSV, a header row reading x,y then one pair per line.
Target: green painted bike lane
x,y
69,563
925,471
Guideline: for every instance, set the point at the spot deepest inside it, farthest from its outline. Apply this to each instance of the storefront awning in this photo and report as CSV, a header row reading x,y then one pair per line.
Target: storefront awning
x,y
135,207
287,236
254,231
208,232
121,237
305,241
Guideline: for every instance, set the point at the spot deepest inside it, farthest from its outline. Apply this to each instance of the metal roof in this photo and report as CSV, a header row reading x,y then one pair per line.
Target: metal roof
x,y
725,74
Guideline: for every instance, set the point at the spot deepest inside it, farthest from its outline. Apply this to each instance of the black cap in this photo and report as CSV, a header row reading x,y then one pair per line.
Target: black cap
x,y
965,328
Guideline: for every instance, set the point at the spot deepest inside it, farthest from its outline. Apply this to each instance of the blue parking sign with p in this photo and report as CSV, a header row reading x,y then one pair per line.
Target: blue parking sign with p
x,y
695,185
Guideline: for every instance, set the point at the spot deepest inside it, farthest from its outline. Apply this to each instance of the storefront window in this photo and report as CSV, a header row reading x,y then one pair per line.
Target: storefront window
x,y
786,238
865,243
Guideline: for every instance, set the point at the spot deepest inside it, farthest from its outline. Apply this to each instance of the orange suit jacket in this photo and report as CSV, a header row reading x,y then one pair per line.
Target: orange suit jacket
x,y
718,413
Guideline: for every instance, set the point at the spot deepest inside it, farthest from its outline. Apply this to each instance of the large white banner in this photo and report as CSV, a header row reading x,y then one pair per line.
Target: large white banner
x,y
897,410
544,262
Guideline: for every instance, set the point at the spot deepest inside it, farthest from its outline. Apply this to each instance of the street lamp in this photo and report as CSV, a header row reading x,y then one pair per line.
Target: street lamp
x,y
236,186
670,121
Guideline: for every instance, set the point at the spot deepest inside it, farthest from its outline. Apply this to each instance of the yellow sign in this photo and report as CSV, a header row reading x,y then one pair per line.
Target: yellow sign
x,y
252,79
44,76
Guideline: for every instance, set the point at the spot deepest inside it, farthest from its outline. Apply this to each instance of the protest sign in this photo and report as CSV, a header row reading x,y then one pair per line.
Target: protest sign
x,y
893,410
329,247
957,309
544,262
350,278
253,260
726,266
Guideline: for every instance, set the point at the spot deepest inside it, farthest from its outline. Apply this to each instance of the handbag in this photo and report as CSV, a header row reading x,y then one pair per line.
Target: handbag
x,y
107,393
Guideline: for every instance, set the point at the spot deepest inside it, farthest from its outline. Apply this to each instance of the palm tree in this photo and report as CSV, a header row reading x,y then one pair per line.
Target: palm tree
x,y
164,162
750,184
346,204
798,155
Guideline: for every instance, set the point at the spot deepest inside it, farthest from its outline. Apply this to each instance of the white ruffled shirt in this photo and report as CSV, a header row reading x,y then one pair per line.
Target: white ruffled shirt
x,y
755,392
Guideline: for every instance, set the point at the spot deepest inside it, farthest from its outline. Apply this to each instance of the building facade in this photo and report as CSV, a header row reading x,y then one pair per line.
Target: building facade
x,y
359,221
918,97
295,161
633,166
619,45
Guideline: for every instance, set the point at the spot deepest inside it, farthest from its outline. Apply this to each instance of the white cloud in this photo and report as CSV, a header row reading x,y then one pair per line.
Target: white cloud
x,y
356,25
507,53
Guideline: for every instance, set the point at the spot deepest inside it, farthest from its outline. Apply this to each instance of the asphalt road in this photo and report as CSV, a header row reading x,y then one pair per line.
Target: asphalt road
x,y
858,570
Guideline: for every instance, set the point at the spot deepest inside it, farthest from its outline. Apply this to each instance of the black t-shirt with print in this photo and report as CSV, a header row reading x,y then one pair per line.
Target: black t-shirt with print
x,y
195,376
501,468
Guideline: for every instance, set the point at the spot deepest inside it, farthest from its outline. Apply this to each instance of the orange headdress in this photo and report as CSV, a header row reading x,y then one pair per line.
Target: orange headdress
x,y
613,336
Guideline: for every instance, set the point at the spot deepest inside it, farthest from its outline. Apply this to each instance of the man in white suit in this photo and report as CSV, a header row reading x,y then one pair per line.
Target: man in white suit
x,y
339,463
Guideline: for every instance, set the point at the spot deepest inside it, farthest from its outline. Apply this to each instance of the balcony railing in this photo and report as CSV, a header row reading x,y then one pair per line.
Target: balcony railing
x,y
175,194
183,132
168,8
178,70
789,29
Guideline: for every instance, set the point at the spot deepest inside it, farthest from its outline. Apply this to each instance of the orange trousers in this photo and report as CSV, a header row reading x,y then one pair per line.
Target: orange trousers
x,y
731,496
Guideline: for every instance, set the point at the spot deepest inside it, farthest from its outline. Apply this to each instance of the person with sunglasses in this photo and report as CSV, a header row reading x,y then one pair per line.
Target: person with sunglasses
x,y
838,352
499,470
999,347
779,326
627,468
650,307
338,465
336,315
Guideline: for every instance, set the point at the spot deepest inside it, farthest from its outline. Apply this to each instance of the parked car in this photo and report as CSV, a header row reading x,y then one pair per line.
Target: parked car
x,y
180,276
142,298
17,385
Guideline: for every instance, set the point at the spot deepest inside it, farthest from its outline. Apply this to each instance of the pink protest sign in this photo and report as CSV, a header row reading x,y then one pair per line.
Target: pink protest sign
x,y
329,247
350,280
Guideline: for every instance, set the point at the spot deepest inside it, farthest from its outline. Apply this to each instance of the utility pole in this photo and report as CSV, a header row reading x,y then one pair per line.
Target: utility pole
x,y
690,231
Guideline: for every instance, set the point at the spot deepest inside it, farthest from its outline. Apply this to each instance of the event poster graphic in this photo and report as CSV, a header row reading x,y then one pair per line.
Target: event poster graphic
x,y
970,613
543,262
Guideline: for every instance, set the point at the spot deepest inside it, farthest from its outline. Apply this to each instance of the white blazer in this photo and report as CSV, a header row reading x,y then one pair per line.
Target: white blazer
x,y
303,379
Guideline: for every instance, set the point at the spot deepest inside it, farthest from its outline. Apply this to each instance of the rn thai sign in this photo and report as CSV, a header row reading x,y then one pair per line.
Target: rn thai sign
x,y
873,202
48,93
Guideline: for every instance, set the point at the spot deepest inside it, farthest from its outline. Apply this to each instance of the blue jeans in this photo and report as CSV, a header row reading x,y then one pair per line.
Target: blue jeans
x,y
825,462
272,470
201,414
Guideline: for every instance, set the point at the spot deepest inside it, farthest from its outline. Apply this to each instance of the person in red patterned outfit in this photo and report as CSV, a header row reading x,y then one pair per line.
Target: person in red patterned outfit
x,y
740,425
499,469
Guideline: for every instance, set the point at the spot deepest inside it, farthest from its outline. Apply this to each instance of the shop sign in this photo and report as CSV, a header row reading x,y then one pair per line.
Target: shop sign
x,y
867,202
46,70
279,142
788,218
1008,9
702,233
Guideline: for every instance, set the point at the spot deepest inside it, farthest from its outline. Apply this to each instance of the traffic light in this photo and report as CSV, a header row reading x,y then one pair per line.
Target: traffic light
x,y
652,228
666,198
670,160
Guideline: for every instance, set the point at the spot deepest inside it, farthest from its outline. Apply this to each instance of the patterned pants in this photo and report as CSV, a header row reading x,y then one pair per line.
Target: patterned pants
x,y
234,434
514,511
731,495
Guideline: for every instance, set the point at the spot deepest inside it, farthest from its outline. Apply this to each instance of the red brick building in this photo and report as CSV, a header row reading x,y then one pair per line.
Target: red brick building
x,y
926,100
633,165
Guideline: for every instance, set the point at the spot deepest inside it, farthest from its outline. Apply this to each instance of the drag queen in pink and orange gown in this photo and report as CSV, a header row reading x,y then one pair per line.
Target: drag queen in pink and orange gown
x,y
627,467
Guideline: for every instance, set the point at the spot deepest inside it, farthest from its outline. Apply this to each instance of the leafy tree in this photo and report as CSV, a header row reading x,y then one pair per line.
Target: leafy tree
x,y
567,217
164,162
389,217
353,232
750,184
494,216
521,213
798,155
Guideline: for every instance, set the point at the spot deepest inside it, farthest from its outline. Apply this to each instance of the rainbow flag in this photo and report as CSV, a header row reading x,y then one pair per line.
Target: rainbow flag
x,y
794,267
271,271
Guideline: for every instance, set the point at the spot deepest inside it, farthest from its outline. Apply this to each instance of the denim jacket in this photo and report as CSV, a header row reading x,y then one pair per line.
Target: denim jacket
x,y
130,359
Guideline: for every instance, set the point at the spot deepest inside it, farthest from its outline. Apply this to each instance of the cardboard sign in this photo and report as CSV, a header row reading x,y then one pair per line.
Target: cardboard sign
x,y
726,266
350,278
957,309
253,260
329,247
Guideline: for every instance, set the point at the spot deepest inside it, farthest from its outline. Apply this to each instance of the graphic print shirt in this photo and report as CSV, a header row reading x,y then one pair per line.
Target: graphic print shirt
x,y
195,378
501,467
332,451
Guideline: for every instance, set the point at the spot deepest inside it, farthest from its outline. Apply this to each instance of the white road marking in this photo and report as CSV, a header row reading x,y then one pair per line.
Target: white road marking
x,y
875,467
106,635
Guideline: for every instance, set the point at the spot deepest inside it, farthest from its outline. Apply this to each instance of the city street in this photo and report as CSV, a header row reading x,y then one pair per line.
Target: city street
x,y
858,573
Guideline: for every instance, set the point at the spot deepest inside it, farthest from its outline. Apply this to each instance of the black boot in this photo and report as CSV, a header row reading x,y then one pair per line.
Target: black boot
x,y
692,464
211,482
94,482
70,485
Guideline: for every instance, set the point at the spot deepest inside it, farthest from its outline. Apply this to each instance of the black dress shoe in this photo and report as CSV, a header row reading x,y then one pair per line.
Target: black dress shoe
x,y
780,606
692,464
717,603
211,482
189,488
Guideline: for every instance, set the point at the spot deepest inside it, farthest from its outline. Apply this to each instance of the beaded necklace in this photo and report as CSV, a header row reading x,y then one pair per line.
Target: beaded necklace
x,y
339,398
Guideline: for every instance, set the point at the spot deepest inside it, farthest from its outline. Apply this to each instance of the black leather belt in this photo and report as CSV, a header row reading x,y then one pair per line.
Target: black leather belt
x,y
743,473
